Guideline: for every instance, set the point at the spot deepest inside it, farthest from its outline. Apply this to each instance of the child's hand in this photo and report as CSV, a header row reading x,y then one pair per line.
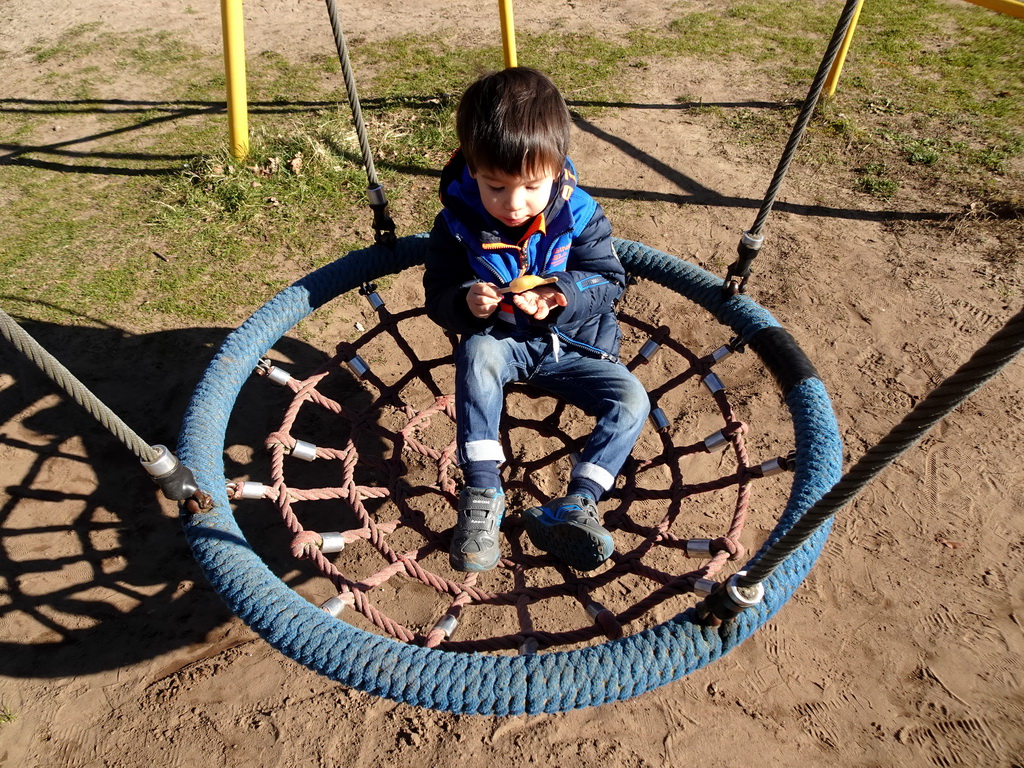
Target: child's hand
x,y
539,302
483,299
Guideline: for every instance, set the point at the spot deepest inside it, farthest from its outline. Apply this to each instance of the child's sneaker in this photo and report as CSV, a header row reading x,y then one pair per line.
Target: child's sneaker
x,y
475,541
569,528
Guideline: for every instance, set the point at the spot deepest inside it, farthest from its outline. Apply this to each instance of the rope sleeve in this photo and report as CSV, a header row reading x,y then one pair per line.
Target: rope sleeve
x,y
782,357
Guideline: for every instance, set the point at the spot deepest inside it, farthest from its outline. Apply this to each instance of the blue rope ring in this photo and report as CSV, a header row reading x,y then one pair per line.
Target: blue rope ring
x,y
480,683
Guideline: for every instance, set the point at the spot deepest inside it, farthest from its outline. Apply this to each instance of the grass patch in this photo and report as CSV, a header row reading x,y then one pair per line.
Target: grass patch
x,y
939,88
284,199
78,42
150,223
758,127
877,181
86,50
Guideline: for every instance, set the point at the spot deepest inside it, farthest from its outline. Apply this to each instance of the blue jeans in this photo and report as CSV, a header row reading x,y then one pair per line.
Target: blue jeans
x,y
606,390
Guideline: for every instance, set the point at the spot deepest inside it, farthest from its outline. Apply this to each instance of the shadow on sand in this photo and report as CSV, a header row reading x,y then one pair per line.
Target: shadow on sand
x,y
95,569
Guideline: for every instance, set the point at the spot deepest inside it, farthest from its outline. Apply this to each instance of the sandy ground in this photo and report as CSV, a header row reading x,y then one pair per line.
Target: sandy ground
x,y
903,646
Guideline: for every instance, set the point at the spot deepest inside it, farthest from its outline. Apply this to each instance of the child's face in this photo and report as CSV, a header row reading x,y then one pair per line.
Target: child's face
x,y
514,200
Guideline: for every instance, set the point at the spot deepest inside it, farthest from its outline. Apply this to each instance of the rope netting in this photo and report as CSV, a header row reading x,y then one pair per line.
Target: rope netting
x,y
387,458
375,506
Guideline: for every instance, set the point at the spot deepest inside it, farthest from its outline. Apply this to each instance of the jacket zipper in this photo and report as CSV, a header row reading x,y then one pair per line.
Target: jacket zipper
x,y
498,278
554,328
574,343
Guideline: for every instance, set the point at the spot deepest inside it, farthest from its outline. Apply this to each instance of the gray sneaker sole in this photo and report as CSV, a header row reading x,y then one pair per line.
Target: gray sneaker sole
x,y
575,545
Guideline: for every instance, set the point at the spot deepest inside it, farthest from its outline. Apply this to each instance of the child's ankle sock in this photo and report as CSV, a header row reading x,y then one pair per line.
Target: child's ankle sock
x,y
482,474
585,487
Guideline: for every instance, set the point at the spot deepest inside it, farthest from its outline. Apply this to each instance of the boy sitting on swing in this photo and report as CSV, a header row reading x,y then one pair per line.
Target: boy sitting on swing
x,y
520,264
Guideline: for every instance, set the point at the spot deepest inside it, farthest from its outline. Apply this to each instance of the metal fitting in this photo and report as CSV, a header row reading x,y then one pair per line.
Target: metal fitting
x,y
753,242
164,462
721,353
250,489
729,601
377,195
529,646
659,419
649,349
277,375
332,541
704,587
772,467
333,606
743,597
594,609
303,450
698,548
716,441
358,366
447,624
713,383
176,481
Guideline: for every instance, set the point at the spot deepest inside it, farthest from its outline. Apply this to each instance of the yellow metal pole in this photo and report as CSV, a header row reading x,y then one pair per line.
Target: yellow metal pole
x,y
837,66
234,68
1009,7
508,32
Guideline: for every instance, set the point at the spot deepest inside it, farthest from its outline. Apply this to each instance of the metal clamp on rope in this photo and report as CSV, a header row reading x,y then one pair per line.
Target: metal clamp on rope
x,y
729,600
747,250
713,383
383,224
358,366
648,350
333,605
721,353
775,466
446,625
331,541
594,610
659,419
736,344
251,489
369,290
279,376
716,441
175,479
303,450
705,587
698,548
529,646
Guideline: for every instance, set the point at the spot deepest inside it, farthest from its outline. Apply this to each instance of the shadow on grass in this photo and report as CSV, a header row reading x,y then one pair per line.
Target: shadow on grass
x,y
71,156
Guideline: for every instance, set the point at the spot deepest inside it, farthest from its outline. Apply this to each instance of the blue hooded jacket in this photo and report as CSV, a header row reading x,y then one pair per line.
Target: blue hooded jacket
x,y
570,240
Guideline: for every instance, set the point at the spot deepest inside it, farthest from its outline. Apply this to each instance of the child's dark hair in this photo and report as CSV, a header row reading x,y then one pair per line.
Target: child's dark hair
x,y
513,121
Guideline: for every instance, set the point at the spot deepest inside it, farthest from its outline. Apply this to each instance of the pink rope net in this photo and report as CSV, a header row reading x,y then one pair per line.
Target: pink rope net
x,y
375,516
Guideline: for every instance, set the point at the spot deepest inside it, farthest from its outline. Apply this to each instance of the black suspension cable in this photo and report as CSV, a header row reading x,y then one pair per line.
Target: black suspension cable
x,y
383,224
985,363
750,244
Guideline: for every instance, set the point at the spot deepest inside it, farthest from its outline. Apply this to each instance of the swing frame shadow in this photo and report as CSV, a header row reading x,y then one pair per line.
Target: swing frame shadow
x,y
62,157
